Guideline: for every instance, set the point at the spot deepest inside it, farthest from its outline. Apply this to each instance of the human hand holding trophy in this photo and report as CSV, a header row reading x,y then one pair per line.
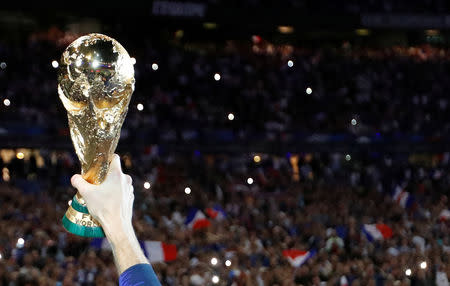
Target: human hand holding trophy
x,y
95,84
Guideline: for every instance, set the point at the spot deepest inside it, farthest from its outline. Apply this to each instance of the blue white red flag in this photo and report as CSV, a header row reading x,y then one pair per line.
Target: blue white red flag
x,y
379,231
402,197
196,219
155,251
298,257
216,213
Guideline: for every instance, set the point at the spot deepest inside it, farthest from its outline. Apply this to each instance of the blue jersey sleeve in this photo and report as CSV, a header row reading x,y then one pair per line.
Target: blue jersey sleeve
x,y
139,275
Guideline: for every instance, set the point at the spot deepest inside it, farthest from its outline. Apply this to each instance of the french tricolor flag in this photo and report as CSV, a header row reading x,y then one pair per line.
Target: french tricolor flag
x,y
196,219
298,257
155,251
379,231
158,251
216,213
403,198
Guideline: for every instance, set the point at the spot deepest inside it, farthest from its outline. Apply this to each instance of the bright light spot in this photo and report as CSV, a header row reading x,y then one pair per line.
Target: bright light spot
x,y
155,66
7,102
257,158
217,76
187,190
95,64
209,25
423,264
286,29
228,263
408,272
354,122
214,261
3,65
133,61
348,157
250,181
290,63
70,203
308,90
215,279
5,174
230,116
1,256
20,243
147,185
432,32
140,107
362,32
20,155
78,62
55,64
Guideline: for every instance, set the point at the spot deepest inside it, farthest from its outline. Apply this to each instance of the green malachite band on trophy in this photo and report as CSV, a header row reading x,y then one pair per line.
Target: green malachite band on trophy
x,y
81,222
77,206
82,230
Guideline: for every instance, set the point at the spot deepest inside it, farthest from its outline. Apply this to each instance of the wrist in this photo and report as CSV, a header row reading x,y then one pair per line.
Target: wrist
x,y
118,231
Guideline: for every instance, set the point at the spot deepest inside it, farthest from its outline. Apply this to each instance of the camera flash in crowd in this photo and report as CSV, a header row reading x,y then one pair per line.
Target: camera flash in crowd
x,y
215,279
250,181
257,158
55,64
228,263
354,122
408,272
20,243
423,265
155,66
290,63
7,102
214,261
140,107
146,185
187,190
230,116
3,65
348,157
217,76
308,90
20,155
95,64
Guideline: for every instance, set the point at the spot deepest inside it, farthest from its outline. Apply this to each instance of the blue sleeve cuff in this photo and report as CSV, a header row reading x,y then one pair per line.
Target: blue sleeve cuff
x,y
139,274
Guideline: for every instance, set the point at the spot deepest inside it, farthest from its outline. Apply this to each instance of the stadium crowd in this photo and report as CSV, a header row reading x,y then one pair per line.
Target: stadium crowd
x,y
186,94
304,202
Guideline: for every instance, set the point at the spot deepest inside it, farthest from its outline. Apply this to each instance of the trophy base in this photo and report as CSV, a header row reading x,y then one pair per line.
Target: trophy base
x,y
78,221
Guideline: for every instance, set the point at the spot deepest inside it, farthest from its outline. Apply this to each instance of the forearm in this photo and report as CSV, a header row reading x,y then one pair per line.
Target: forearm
x,y
111,203
125,246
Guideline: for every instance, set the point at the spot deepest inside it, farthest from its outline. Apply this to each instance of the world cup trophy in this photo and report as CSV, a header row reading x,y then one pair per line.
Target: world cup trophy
x,y
95,84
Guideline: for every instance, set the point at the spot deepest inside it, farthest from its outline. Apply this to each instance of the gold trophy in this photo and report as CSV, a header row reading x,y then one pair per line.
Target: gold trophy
x,y
95,84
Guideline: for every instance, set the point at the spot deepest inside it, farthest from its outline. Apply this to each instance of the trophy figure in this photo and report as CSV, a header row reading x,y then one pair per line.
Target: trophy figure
x,y
95,83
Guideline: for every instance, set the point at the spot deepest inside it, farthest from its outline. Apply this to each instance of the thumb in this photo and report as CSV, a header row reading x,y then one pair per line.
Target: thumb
x,y
114,168
81,184
115,164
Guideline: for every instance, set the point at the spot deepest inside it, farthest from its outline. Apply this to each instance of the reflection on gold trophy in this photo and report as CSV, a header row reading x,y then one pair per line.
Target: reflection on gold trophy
x,y
95,83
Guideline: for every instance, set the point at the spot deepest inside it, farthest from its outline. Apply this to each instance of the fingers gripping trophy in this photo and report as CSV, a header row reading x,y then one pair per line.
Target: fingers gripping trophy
x,y
95,84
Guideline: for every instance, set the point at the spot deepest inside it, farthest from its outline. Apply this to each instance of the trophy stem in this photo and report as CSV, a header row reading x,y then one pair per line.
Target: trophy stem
x,y
77,220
